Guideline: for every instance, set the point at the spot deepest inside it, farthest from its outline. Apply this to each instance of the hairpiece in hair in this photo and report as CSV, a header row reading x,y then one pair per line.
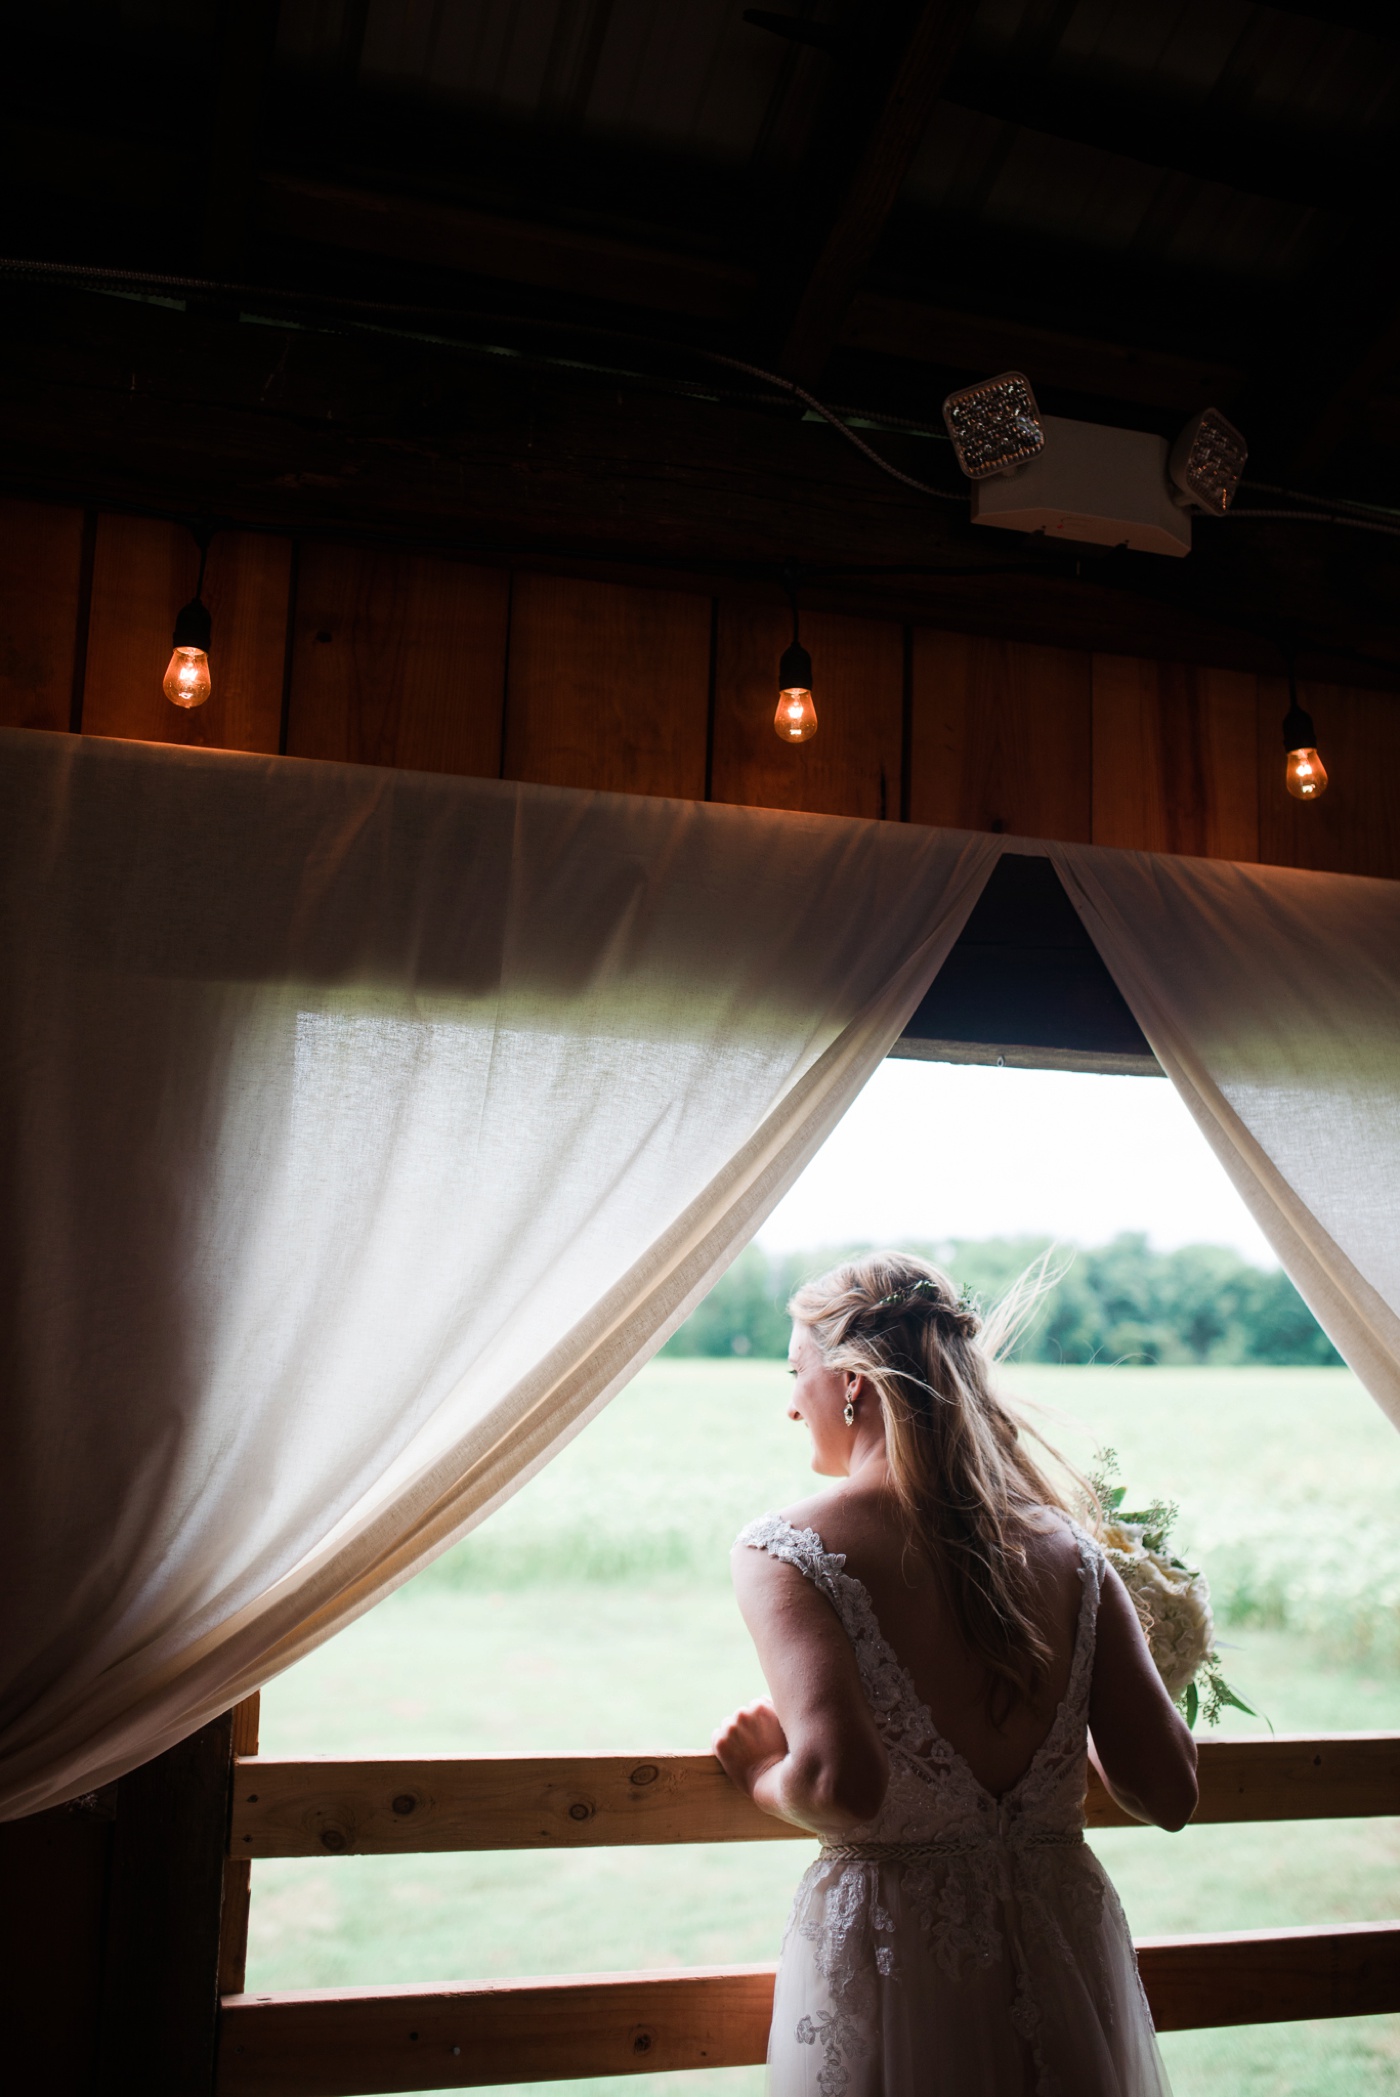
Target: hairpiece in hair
x,y
922,1287
964,1312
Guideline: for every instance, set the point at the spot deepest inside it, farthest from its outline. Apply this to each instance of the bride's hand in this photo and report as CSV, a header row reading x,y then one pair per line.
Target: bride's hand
x,y
749,1743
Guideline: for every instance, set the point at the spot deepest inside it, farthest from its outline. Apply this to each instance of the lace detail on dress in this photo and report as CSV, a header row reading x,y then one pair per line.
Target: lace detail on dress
x,y
989,1879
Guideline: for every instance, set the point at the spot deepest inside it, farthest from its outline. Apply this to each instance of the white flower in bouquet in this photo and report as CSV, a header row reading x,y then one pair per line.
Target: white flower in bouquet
x,y
1172,1602
1171,1598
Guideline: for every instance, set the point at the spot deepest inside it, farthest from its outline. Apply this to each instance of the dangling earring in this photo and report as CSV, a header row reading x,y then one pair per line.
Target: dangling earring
x,y
848,1412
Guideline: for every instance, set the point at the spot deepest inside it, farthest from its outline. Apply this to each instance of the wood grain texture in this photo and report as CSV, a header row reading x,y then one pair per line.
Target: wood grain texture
x,y
609,687
143,571
317,1807
1271,1976
1355,827
852,765
343,2042
238,1870
1175,758
399,660
1330,1776
1002,737
348,2040
160,1995
40,559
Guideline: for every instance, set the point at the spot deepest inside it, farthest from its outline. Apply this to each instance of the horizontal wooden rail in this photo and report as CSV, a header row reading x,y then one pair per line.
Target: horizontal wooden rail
x,y
321,1807
344,2042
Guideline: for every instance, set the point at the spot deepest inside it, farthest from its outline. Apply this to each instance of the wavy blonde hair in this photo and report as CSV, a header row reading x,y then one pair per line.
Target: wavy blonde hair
x,y
957,1456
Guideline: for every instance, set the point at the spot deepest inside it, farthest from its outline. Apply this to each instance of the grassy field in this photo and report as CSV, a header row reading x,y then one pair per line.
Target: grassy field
x,y
594,1612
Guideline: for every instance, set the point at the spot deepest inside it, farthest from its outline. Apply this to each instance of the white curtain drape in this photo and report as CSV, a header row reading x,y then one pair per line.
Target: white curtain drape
x,y
362,1133
1271,998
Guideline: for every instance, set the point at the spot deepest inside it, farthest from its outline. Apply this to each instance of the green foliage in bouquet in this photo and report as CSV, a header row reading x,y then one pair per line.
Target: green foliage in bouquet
x,y
1171,1598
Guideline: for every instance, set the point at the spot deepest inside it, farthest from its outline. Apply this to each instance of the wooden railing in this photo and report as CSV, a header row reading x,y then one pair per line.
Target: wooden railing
x,y
339,2042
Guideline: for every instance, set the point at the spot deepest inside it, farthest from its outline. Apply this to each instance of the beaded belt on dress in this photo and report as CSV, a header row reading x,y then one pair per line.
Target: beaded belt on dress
x,y
948,1846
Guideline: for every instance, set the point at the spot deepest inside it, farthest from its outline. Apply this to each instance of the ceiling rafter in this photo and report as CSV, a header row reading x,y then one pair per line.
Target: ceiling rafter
x,y
1113,117
903,103
247,39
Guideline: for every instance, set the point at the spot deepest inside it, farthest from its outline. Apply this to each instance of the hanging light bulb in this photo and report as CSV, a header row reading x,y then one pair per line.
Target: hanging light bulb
x,y
187,675
796,718
186,682
1304,773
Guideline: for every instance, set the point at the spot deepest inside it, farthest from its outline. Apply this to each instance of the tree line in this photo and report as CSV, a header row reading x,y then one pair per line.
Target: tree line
x,y
1120,1302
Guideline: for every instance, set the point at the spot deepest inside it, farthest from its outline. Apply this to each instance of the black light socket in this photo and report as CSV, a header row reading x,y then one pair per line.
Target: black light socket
x,y
795,669
193,625
1298,730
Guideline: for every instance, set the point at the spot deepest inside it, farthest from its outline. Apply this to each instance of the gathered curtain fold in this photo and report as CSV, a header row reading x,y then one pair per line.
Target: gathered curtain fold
x,y
1271,998
363,1132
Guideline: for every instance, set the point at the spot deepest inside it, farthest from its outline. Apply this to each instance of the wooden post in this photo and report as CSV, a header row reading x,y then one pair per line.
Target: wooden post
x,y
54,1870
238,1871
160,1998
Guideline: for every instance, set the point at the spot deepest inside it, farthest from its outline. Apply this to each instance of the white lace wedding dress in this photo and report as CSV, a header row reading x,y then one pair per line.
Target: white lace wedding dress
x,y
958,1945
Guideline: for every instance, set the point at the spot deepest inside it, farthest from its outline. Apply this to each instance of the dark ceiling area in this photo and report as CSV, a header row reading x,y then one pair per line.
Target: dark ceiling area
x,y
468,272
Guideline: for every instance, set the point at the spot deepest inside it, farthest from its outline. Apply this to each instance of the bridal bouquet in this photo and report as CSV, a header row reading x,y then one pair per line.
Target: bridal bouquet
x,y
1171,1598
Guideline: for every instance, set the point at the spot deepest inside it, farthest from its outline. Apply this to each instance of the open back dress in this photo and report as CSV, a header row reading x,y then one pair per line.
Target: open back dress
x,y
957,1945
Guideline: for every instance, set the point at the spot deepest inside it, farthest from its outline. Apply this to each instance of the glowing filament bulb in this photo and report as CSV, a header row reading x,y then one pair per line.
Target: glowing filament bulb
x,y
796,718
1305,775
186,682
187,677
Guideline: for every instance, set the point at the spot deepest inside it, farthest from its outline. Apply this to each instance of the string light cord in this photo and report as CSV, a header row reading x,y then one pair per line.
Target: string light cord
x,y
773,378
1320,509
1385,512
203,287
1360,524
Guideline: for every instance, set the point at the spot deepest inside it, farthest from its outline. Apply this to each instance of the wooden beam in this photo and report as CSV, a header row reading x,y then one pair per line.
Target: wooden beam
x,y
1329,406
448,237
238,1871
335,2042
331,1807
54,1875
316,1808
160,1993
247,35
915,85
1085,365
344,2042
1271,1976
1116,115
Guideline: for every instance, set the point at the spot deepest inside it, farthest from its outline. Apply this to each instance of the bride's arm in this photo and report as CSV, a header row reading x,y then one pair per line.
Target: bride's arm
x,y
813,1756
1141,1745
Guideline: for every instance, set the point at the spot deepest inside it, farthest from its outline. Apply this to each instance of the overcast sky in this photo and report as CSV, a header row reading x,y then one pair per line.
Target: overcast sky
x,y
944,1150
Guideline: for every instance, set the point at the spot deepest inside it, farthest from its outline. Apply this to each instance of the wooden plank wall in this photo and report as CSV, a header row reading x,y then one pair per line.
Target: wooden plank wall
x,y
377,656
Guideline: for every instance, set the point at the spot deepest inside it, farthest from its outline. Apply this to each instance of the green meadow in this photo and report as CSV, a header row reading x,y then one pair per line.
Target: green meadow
x,y
593,1612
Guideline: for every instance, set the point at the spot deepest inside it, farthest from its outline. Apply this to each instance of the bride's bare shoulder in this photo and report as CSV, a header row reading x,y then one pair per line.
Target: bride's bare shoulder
x,y
850,1516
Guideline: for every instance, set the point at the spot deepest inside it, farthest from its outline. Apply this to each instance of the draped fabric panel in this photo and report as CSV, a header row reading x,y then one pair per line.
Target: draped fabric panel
x,y
363,1132
1271,998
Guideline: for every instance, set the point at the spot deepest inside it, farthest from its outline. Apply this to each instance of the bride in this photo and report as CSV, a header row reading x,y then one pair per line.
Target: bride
x,y
943,1644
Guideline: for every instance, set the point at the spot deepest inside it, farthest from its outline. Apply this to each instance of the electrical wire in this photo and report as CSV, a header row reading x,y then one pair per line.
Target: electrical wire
x,y
1385,511
14,266
1359,524
1317,509
773,378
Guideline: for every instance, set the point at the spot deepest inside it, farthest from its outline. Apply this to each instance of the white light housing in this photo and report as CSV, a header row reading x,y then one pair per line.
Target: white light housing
x,y
995,425
1206,463
1102,486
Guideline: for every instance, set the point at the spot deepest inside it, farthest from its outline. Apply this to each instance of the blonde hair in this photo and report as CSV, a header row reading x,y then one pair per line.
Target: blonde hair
x,y
958,1462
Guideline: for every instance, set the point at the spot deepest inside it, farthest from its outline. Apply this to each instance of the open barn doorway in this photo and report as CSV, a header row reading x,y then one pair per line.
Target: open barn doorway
x,y
593,1612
